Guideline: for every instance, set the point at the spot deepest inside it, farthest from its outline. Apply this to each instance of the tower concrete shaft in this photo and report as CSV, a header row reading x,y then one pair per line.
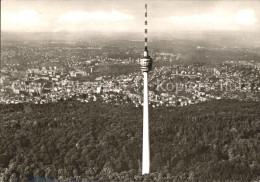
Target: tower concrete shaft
x,y
146,141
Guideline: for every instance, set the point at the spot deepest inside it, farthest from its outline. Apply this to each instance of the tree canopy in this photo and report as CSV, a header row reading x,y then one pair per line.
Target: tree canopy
x,y
216,140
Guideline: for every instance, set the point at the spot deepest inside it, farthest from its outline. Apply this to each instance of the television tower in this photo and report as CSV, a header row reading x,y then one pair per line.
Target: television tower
x,y
146,66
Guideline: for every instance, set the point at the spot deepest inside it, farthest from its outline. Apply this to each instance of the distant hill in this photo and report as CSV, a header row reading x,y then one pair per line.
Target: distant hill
x,y
220,38
216,140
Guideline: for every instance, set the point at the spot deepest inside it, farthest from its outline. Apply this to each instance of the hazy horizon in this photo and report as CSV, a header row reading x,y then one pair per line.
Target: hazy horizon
x,y
128,16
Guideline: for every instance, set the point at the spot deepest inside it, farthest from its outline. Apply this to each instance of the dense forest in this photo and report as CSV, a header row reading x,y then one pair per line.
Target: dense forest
x,y
72,141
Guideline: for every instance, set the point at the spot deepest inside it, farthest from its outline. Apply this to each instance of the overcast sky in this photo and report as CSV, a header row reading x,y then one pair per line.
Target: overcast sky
x,y
128,16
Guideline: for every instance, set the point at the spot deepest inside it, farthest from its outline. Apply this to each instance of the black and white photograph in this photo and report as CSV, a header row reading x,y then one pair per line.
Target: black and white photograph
x,y
130,91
